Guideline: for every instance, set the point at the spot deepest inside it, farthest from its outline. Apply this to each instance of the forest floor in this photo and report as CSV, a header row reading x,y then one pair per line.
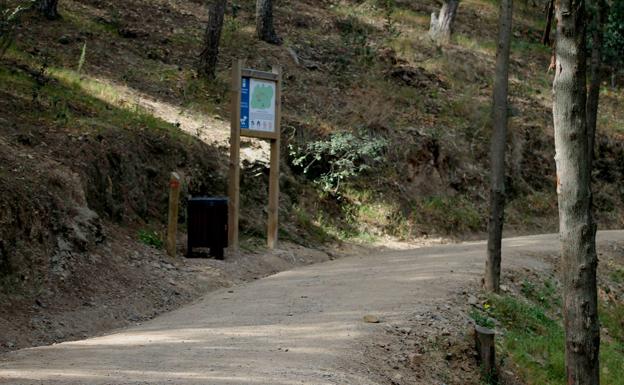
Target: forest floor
x,y
397,317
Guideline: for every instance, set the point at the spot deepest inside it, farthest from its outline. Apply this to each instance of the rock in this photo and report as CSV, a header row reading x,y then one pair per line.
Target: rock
x,y
371,319
64,40
10,344
131,33
415,359
472,300
504,288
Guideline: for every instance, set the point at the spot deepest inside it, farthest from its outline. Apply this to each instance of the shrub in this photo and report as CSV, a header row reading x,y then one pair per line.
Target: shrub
x,y
9,19
151,238
614,35
333,161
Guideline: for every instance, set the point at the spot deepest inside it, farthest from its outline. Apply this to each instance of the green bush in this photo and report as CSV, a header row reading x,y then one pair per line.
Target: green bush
x,y
9,19
451,215
614,35
341,157
151,238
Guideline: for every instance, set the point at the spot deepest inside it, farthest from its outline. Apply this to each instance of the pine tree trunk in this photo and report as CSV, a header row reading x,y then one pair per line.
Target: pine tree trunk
x,y
48,8
593,93
441,27
210,54
497,154
549,17
264,22
576,224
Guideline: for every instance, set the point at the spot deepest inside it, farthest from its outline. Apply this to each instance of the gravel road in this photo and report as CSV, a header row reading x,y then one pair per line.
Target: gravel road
x,y
303,326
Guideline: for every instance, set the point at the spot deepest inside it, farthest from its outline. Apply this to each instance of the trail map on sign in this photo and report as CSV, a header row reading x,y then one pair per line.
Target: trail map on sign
x,y
258,105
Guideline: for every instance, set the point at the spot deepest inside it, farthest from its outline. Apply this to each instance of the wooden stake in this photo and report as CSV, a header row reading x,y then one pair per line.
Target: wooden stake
x,y
273,223
484,340
234,182
174,200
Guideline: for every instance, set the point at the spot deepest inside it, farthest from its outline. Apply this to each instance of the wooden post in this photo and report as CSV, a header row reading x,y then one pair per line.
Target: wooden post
x,y
174,199
234,182
272,227
484,340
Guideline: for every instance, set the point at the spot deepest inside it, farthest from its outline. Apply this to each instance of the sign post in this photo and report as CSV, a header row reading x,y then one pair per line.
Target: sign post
x,y
256,113
172,225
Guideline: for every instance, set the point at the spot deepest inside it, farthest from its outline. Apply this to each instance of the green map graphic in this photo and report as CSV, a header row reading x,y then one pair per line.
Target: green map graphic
x,y
261,97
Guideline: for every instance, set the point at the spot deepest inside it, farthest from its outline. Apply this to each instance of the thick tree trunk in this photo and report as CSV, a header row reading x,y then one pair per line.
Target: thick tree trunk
x,y
264,22
441,28
48,8
210,54
593,93
549,18
497,152
576,224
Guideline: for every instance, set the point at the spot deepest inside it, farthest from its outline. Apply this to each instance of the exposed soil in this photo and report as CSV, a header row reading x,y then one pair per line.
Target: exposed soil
x,y
122,282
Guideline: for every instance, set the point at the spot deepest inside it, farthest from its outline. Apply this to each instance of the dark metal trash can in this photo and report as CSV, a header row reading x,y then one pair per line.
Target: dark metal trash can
x,y
207,220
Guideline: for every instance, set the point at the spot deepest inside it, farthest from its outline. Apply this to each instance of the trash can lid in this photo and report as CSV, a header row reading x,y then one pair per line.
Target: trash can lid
x,y
209,200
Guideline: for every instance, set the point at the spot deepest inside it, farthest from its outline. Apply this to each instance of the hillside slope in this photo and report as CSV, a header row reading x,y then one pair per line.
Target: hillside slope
x,y
85,156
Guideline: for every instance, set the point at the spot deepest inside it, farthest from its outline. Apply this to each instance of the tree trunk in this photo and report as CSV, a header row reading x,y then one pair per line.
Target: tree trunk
x,y
48,8
441,27
576,224
210,53
549,17
593,93
497,154
264,22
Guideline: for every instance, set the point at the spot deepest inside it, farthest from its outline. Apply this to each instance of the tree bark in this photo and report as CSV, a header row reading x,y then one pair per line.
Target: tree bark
x,y
264,22
576,225
497,152
599,18
210,54
549,17
48,8
441,28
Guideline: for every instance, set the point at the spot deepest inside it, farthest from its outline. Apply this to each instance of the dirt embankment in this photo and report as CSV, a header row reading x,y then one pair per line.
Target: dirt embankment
x,y
79,180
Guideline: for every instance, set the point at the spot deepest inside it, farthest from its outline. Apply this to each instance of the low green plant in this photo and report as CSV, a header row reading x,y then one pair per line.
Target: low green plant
x,y
356,37
451,215
10,17
481,319
544,294
613,50
388,8
151,238
341,157
617,274
535,339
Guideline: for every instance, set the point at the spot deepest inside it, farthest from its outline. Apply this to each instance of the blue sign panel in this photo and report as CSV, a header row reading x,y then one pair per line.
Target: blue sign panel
x,y
244,113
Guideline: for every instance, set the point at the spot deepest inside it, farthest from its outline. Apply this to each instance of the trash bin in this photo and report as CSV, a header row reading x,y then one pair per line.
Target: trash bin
x,y
207,221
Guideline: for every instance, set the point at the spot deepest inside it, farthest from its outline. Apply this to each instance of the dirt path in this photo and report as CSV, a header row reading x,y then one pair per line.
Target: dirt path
x,y
302,326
